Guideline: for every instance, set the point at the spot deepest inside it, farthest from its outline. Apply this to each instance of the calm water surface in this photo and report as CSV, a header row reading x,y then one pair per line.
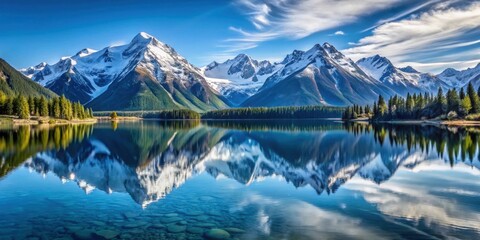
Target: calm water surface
x,y
245,180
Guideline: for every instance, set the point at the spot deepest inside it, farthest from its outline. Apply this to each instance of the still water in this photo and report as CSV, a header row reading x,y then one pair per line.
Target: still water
x,y
239,180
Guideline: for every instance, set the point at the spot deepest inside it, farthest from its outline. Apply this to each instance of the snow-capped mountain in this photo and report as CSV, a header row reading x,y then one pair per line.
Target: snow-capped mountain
x,y
401,80
238,78
143,74
457,79
13,82
321,75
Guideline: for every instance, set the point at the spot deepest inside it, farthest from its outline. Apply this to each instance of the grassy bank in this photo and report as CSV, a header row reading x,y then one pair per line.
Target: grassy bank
x,y
13,120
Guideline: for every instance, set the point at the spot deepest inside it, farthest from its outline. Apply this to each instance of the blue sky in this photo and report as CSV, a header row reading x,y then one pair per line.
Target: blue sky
x,y
429,35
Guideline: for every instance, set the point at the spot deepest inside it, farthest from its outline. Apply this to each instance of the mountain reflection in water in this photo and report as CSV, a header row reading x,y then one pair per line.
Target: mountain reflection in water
x,y
148,160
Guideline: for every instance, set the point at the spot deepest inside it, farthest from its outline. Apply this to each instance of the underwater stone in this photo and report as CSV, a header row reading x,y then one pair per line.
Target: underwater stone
x,y
217,234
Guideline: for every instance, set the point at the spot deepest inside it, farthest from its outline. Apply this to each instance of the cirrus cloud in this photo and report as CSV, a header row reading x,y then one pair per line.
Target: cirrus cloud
x,y
432,36
294,19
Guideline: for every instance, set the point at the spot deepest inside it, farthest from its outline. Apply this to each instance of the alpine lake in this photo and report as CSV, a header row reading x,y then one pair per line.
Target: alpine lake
x,y
309,179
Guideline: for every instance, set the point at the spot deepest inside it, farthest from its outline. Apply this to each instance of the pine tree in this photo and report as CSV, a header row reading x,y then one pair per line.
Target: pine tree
x,y
56,108
382,106
453,100
465,106
9,107
43,108
31,105
441,101
22,107
409,103
462,94
472,94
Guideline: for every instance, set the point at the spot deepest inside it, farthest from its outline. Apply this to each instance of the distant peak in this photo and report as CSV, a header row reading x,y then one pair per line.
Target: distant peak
x,y
379,57
85,51
326,45
329,47
331,50
241,56
41,65
449,71
376,59
296,54
143,37
409,69
211,65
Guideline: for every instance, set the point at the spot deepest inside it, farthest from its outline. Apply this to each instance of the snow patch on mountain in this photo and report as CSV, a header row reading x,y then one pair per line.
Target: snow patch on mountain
x,y
238,78
457,79
94,70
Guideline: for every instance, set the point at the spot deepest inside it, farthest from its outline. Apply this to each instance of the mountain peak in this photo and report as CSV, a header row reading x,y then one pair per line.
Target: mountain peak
x,y
143,37
329,47
409,69
333,52
41,65
376,60
85,52
449,72
242,57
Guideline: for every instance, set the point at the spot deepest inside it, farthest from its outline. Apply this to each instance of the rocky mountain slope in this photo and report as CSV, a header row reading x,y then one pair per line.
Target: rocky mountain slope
x,y
141,75
321,75
13,82
147,74
401,80
238,78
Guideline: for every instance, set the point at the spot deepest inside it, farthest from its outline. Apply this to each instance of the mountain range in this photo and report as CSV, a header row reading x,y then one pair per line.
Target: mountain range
x,y
147,74
144,74
12,83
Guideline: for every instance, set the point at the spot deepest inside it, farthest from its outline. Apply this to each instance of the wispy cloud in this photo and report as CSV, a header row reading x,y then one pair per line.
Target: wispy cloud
x,y
339,33
402,14
426,36
294,19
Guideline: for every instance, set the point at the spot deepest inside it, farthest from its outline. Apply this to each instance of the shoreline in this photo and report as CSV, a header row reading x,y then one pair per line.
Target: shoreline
x,y
461,122
9,120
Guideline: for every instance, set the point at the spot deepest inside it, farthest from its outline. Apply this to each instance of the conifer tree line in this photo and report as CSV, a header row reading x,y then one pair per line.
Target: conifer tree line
x,y
300,112
450,105
56,107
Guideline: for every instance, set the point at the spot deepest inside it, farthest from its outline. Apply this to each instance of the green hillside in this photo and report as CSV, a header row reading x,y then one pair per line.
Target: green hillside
x,y
13,83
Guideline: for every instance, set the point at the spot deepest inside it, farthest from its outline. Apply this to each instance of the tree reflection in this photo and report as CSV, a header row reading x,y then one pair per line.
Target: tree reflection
x,y
21,143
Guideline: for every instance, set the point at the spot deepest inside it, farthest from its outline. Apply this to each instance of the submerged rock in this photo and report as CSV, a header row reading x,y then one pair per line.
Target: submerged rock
x,y
171,219
234,230
82,235
217,234
107,234
195,230
174,228
205,225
